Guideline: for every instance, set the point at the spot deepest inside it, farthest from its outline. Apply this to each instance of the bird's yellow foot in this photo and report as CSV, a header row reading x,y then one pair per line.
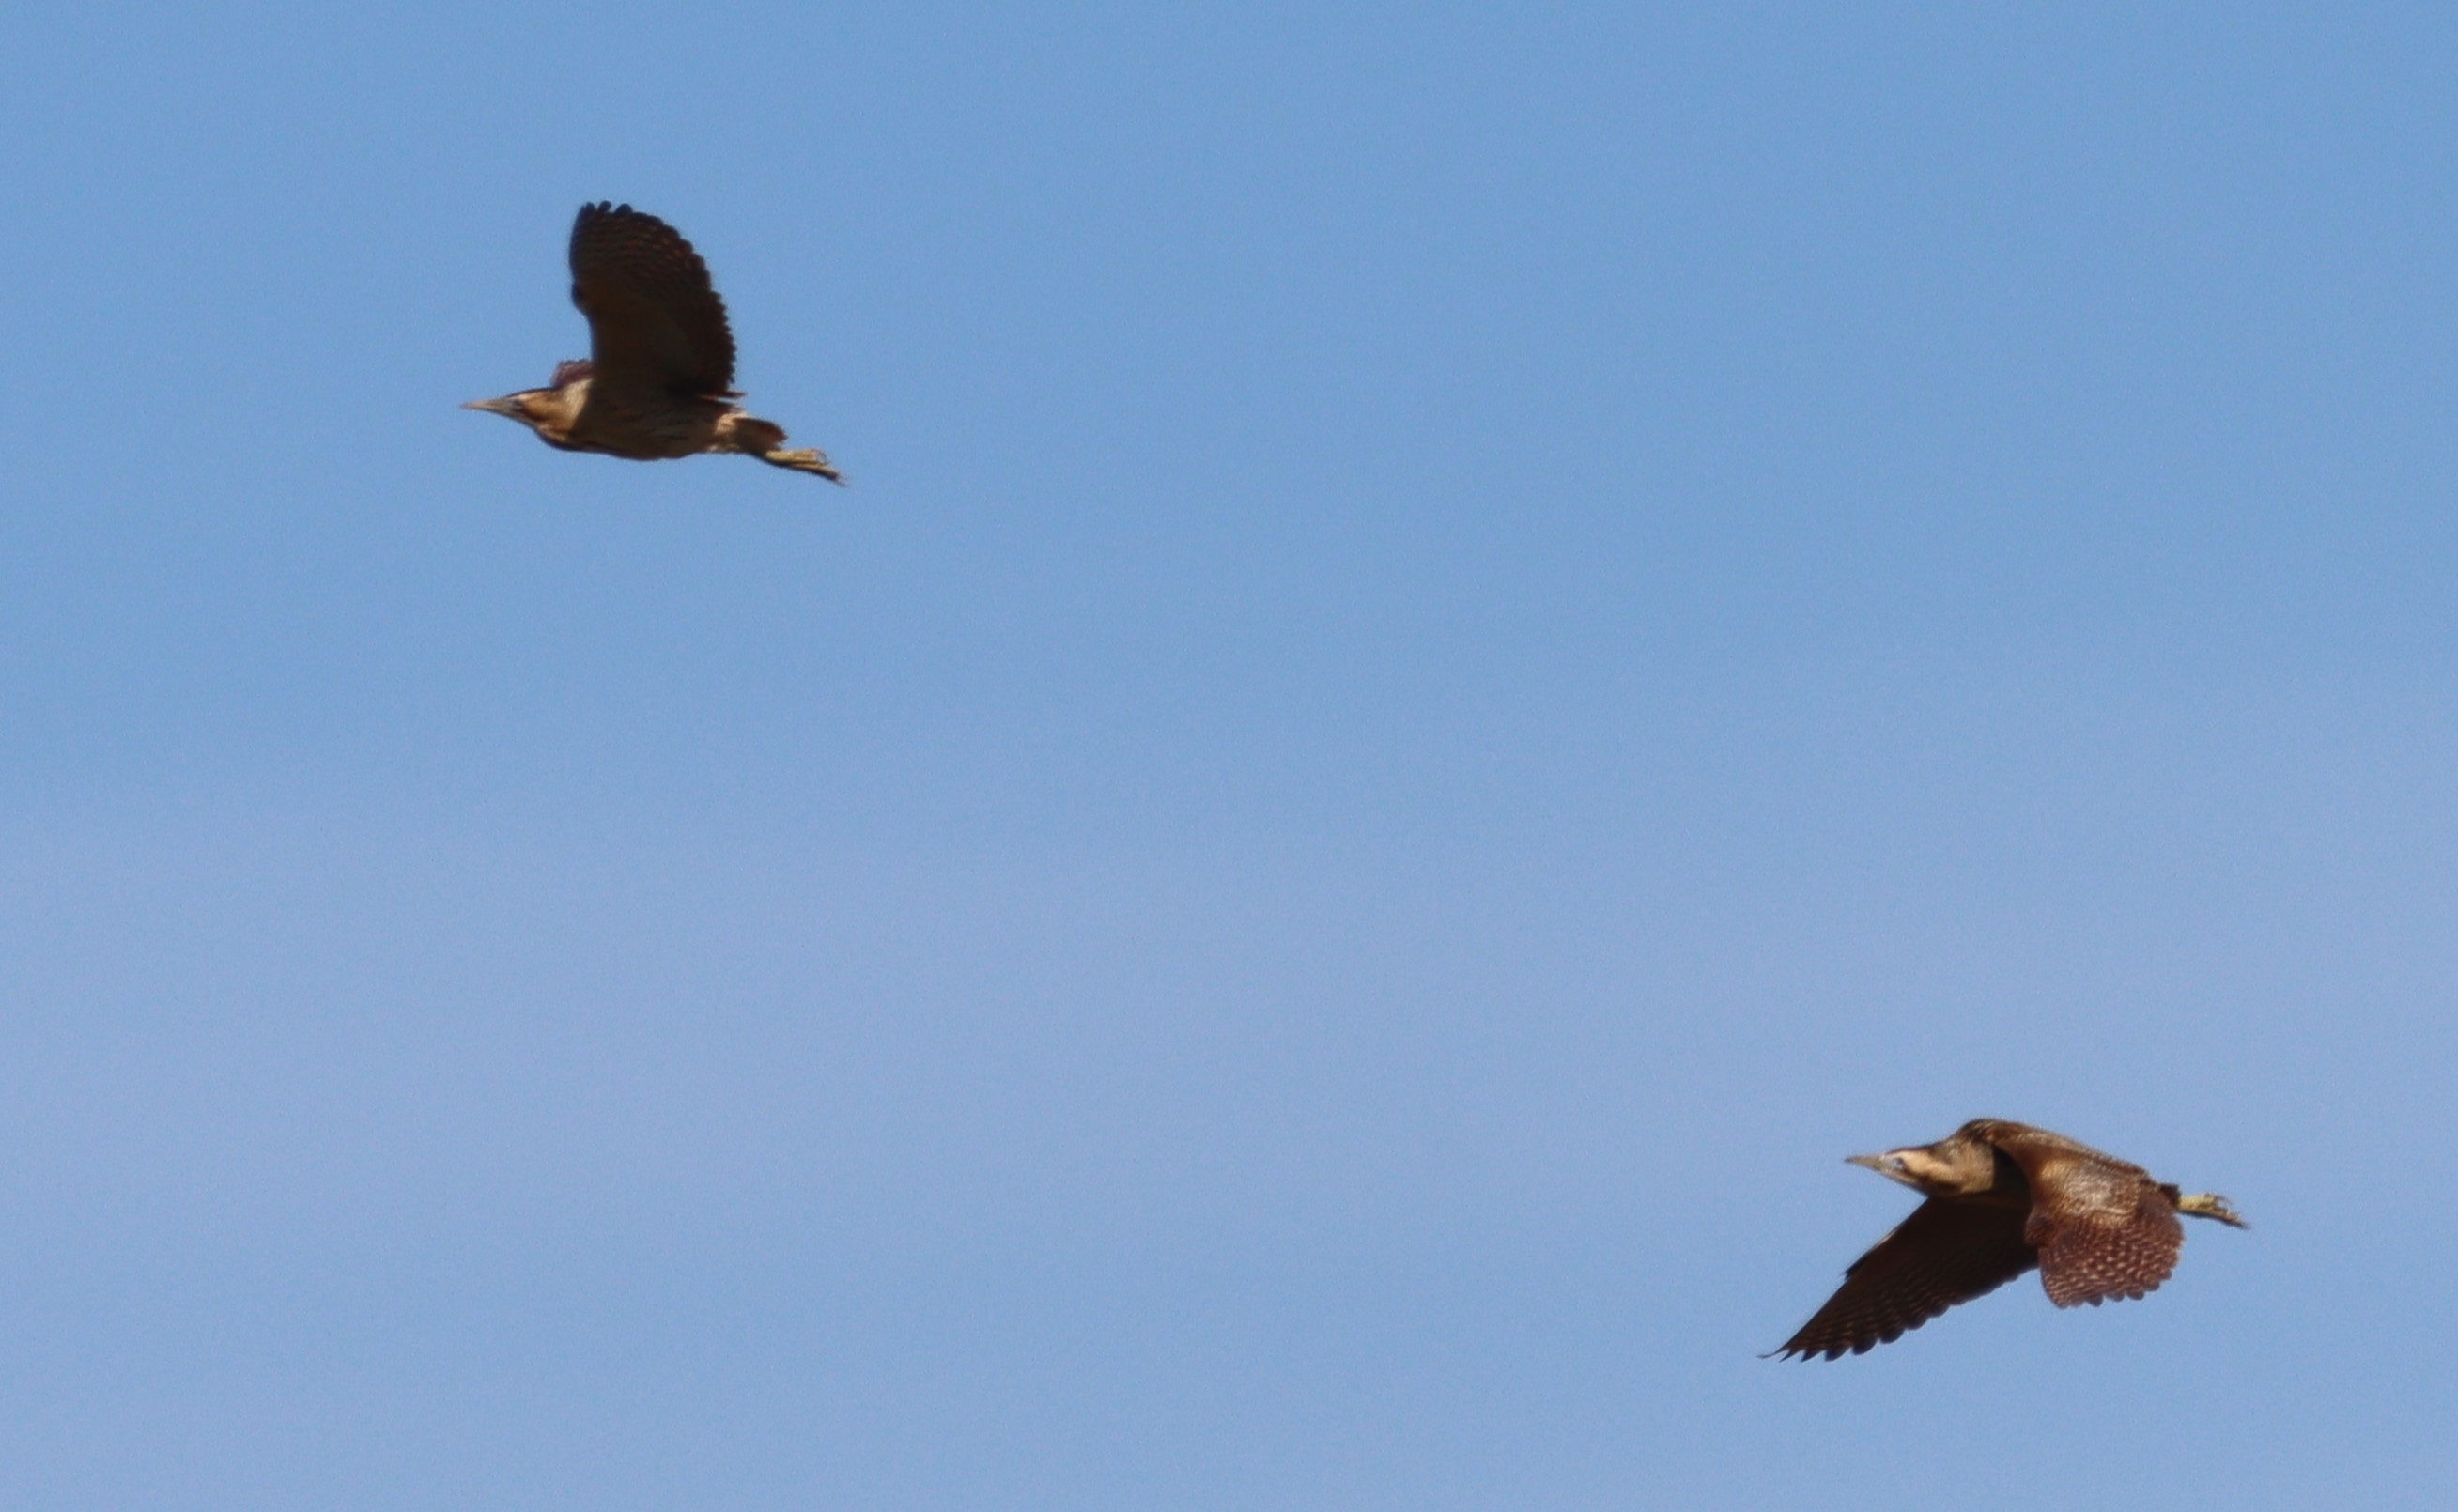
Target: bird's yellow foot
x,y
810,459
2210,1204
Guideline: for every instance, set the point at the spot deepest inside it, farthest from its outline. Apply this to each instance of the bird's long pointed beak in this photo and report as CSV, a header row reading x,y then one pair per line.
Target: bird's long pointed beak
x,y
1876,1163
492,406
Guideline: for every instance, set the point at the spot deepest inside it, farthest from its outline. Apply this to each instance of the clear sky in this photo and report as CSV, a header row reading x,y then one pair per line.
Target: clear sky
x,y
1468,643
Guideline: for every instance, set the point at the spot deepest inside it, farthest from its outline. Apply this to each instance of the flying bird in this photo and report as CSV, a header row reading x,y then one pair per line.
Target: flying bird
x,y
659,378
2003,1198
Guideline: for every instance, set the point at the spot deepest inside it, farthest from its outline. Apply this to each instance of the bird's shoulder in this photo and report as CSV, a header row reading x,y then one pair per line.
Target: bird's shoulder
x,y
2051,1159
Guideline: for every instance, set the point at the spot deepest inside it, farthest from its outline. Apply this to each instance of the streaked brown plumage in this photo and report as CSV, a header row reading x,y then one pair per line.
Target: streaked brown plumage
x,y
659,379
2003,1198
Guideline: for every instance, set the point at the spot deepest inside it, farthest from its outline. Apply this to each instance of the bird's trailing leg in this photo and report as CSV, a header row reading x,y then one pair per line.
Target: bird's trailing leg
x,y
766,440
2212,1206
810,459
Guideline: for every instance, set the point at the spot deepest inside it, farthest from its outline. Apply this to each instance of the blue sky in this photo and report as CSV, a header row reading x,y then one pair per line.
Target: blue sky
x,y
1468,643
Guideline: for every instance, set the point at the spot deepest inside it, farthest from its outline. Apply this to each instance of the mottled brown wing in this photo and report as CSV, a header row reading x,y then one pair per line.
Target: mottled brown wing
x,y
1944,1254
2095,1256
655,324
2102,1225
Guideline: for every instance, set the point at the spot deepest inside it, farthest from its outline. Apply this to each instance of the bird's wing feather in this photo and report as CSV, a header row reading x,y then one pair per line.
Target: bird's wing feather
x,y
655,323
2104,1229
1946,1253
2094,1254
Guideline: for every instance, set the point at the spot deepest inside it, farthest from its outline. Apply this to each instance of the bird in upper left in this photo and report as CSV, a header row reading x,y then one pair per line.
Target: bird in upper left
x,y
659,380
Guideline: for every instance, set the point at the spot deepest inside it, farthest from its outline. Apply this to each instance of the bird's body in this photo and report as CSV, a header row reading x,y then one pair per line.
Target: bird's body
x,y
578,415
2004,1197
658,382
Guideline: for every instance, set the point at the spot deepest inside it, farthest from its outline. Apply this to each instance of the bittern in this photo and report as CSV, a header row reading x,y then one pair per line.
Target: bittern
x,y
2003,1198
659,378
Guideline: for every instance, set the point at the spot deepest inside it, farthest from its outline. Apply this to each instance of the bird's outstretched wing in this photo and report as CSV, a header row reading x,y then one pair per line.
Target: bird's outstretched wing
x,y
2104,1229
1946,1253
2094,1259
655,324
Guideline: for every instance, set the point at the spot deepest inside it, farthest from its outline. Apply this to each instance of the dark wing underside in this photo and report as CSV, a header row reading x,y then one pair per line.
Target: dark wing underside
x,y
655,324
1944,1254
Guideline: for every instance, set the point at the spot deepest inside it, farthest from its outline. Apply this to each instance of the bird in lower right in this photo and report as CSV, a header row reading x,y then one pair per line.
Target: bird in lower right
x,y
2004,1197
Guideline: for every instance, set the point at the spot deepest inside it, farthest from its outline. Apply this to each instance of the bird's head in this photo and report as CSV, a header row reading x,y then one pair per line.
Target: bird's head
x,y
513,407
1931,1170
551,412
